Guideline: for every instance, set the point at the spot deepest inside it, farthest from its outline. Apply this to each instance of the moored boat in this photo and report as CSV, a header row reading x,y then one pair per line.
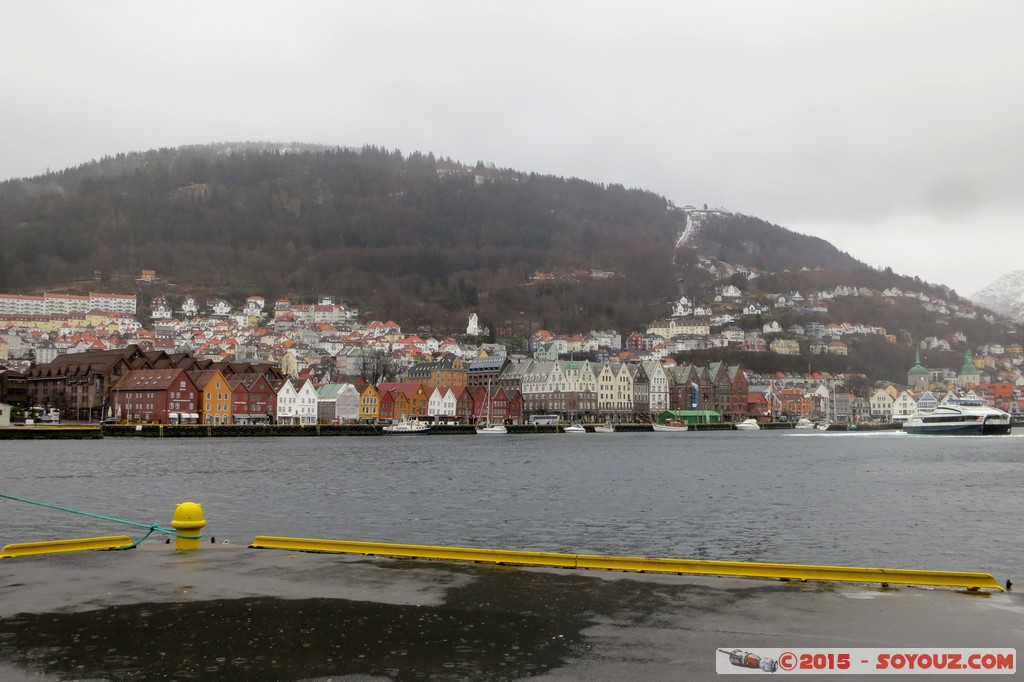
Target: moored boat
x,y
575,428
671,426
407,426
960,417
604,428
491,428
749,424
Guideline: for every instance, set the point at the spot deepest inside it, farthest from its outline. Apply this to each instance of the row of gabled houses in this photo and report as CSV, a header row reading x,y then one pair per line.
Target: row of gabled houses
x,y
176,396
131,384
572,390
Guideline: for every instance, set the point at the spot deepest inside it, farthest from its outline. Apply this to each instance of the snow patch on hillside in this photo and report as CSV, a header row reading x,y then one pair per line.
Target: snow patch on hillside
x,y
690,231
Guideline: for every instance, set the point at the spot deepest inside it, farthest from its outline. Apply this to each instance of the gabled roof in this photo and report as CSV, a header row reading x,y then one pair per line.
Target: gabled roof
x,y
297,384
330,391
96,360
248,381
204,377
407,388
150,380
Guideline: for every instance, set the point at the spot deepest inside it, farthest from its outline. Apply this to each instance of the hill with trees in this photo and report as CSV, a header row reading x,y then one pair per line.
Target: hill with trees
x,y
417,238
411,237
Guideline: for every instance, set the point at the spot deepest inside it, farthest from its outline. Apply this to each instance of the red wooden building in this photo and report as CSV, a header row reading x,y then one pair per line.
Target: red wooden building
x,y
163,396
505,406
253,400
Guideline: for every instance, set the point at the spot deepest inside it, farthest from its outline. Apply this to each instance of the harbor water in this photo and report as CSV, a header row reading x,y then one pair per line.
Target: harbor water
x,y
881,499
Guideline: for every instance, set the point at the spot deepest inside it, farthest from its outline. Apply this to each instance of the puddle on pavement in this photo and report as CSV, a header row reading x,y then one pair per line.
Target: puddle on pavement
x,y
503,624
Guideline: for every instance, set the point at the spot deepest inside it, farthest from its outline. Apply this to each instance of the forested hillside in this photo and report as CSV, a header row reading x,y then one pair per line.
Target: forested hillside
x,y
412,237
416,238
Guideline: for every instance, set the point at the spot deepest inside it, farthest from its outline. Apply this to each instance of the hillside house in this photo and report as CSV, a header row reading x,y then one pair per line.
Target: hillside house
x,y
785,346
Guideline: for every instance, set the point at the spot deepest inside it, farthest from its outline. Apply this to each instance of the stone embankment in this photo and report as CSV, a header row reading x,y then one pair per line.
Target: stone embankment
x,y
278,430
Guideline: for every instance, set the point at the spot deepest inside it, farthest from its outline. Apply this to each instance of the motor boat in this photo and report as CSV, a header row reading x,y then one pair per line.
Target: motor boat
x,y
406,426
575,428
961,417
749,424
671,426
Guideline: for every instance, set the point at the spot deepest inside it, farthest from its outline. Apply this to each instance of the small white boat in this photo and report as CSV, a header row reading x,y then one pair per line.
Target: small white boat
x,y
672,426
575,428
407,426
823,426
604,428
749,424
804,423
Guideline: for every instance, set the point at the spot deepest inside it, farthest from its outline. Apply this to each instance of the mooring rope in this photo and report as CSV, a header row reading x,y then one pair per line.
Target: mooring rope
x,y
151,527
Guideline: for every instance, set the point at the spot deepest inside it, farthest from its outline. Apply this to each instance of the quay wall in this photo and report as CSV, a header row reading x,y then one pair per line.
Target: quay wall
x,y
49,432
291,430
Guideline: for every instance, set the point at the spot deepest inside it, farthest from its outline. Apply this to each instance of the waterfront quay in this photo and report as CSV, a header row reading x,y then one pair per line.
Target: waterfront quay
x,y
229,612
75,431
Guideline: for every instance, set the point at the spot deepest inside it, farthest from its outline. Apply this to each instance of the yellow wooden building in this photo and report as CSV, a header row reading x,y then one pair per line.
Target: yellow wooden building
x,y
369,404
214,396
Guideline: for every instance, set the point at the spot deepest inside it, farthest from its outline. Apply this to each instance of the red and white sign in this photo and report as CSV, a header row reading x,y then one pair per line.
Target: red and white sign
x,y
862,661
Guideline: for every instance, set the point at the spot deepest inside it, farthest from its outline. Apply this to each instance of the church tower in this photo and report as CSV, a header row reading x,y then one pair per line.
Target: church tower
x,y
969,374
918,376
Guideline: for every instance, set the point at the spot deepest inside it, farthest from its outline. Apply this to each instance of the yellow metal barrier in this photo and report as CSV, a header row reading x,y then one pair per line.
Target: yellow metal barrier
x,y
74,545
495,556
899,576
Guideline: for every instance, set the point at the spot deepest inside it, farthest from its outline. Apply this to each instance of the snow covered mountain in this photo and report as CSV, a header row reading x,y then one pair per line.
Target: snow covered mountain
x,y
1005,296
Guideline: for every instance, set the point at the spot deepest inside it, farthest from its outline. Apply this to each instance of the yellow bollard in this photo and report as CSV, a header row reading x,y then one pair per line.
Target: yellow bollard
x,y
188,520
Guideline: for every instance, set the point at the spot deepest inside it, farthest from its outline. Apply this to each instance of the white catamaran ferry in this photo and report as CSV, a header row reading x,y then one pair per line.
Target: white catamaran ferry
x,y
960,416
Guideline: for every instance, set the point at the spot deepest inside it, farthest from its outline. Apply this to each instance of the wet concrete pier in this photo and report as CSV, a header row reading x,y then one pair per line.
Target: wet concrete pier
x,y
229,612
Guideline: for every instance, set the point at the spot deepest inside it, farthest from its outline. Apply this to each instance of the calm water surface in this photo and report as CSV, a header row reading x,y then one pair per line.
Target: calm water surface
x,y
879,499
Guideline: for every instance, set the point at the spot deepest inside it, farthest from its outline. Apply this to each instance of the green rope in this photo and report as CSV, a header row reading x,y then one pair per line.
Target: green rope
x,y
137,542
153,527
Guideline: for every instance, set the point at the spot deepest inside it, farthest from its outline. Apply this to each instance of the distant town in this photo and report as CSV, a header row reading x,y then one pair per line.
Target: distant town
x,y
88,358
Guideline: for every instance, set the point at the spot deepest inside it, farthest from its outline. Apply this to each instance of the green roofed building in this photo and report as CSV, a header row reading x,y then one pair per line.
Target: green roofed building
x,y
918,376
691,417
969,374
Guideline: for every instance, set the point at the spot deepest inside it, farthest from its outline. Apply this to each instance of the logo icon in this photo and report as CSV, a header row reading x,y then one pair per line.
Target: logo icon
x,y
746,659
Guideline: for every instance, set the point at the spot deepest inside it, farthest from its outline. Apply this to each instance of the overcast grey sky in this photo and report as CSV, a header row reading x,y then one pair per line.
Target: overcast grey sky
x,y
893,128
